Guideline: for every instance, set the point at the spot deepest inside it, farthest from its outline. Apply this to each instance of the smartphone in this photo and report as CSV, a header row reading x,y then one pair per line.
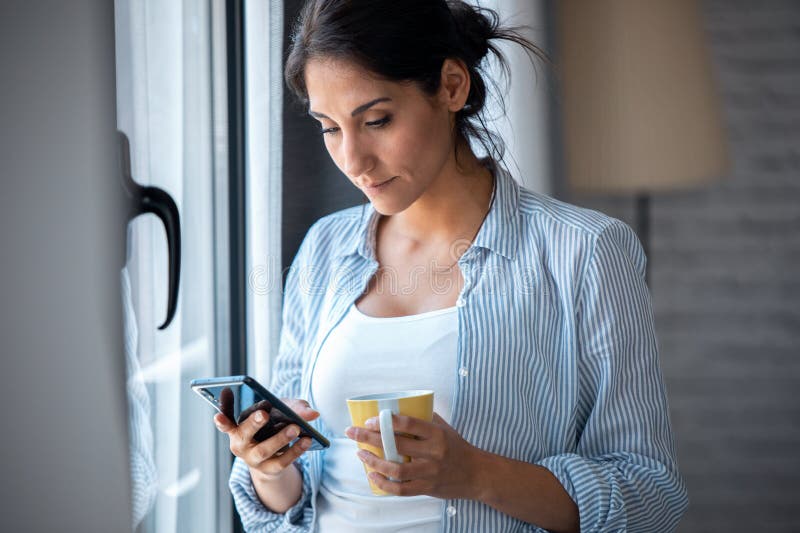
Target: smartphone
x,y
238,396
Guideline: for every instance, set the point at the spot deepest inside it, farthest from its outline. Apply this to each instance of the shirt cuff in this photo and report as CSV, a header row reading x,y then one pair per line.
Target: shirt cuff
x,y
592,488
621,491
256,517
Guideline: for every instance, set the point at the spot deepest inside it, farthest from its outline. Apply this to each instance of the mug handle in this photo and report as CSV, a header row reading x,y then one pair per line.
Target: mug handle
x,y
387,437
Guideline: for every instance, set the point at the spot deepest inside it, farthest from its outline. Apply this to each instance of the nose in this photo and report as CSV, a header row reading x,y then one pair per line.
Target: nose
x,y
357,158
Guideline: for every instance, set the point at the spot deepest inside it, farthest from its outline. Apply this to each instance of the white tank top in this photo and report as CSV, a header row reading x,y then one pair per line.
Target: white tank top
x,y
367,355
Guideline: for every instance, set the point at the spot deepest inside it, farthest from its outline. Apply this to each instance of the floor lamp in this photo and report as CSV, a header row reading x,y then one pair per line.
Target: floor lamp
x,y
639,104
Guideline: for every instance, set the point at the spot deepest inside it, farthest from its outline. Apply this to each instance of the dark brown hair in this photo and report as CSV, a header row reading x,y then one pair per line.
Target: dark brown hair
x,y
408,40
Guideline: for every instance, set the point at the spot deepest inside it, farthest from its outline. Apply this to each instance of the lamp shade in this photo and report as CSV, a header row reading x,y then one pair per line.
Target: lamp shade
x,y
640,108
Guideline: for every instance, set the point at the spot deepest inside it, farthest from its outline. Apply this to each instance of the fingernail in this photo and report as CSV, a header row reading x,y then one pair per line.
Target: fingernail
x,y
305,444
259,416
361,455
348,430
371,422
292,432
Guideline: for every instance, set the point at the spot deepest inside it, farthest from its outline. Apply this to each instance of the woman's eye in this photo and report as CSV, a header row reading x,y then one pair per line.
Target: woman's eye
x,y
373,124
380,122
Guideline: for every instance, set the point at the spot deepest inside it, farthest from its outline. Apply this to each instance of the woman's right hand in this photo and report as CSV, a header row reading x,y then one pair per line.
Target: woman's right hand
x,y
261,456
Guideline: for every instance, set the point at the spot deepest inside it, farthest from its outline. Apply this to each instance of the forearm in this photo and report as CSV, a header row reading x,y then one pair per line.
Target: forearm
x,y
279,495
525,491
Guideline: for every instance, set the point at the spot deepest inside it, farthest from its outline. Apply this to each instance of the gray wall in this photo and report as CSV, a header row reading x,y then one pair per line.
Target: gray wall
x,y
725,263
64,445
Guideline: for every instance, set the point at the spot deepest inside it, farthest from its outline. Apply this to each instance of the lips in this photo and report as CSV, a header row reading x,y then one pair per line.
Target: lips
x,y
378,186
379,183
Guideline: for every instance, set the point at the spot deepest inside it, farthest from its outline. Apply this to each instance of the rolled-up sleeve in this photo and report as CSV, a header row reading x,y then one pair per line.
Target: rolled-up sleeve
x,y
623,475
285,383
257,518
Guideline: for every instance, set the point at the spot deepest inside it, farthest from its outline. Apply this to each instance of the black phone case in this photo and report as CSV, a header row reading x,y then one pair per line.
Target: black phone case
x,y
280,414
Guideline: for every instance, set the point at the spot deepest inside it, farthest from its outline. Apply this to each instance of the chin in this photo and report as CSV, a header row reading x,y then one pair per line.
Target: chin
x,y
388,207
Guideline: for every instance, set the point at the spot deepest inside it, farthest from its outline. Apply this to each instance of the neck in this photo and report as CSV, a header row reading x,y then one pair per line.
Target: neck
x,y
452,208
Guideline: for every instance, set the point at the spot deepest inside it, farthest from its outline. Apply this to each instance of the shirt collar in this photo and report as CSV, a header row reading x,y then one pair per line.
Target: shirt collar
x,y
498,232
500,229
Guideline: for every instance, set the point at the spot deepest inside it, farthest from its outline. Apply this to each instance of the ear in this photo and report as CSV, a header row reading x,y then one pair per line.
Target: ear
x,y
455,84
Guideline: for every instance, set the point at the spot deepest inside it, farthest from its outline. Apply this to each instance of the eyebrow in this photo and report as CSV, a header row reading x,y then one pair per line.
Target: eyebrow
x,y
360,109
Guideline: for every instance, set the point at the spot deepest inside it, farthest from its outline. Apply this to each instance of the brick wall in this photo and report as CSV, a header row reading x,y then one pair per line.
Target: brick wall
x,y
725,279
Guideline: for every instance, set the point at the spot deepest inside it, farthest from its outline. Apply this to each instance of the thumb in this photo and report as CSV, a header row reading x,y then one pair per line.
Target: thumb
x,y
302,408
223,423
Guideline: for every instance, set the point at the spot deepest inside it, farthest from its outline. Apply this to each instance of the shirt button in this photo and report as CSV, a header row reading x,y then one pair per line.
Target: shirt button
x,y
461,302
463,372
451,511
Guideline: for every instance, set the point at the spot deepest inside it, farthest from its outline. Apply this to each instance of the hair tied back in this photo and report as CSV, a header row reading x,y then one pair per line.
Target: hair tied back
x,y
475,26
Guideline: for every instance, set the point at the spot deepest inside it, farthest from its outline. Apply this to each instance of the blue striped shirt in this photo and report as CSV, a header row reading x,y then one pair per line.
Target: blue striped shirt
x,y
557,338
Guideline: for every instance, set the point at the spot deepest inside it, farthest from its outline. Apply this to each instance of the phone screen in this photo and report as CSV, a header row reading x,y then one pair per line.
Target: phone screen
x,y
239,400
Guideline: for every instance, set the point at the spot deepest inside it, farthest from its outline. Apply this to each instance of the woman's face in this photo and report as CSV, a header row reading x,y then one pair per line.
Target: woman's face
x,y
390,139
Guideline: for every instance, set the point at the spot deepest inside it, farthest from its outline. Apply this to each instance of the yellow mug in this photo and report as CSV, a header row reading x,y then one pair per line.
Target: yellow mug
x,y
414,403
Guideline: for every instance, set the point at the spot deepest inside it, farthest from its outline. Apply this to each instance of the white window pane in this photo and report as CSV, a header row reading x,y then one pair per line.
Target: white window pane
x,y
164,107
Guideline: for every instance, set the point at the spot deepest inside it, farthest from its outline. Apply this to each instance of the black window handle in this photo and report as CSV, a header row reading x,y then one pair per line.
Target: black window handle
x,y
144,199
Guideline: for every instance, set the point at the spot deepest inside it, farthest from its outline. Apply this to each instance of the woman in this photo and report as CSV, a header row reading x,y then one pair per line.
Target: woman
x,y
528,317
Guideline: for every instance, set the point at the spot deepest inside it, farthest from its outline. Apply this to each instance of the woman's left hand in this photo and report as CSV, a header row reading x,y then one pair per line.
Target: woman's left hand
x,y
442,465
